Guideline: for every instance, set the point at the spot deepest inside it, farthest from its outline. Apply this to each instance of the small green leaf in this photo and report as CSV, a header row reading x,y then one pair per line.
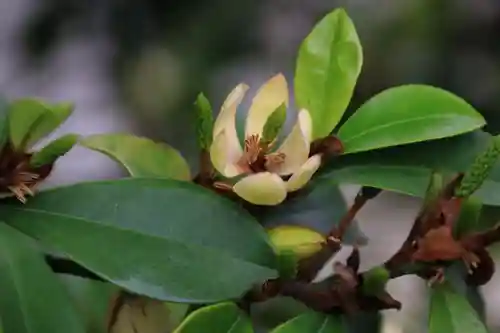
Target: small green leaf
x,y
274,124
154,237
408,114
220,318
312,322
55,149
375,280
468,220
328,66
140,156
204,121
33,300
480,169
24,115
451,312
56,115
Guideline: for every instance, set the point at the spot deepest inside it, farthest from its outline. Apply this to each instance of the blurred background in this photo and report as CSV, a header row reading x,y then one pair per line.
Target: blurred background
x,y
137,65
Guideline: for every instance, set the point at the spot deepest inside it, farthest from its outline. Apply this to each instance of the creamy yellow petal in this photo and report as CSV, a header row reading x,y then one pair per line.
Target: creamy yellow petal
x,y
270,96
226,120
302,176
222,157
305,121
295,147
263,188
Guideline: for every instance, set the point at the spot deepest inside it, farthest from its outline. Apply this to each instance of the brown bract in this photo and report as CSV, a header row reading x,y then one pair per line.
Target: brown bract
x,y
17,176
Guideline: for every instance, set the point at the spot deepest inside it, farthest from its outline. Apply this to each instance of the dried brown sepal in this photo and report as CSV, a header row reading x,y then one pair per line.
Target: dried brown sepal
x,y
17,176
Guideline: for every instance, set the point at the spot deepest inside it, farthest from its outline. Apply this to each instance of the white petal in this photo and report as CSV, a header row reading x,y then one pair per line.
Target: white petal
x,y
223,157
295,147
226,120
300,178
305,121
262,188
270,96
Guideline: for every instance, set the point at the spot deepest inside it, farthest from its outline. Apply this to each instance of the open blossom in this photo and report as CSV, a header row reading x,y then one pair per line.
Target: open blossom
x,y
262,163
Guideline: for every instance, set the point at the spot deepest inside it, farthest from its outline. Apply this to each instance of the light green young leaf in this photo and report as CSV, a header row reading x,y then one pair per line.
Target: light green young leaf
x,y
328,66
204,122
24,115
33,299
408,114
451,312
56,115
140,156
52,151
220,318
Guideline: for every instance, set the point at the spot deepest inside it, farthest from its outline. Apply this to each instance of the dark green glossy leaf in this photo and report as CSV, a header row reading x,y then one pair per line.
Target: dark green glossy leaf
x,y
312,322
92,300
166,239
318,207
275,311
220,318
451,312
328,66
140,156
33,300
408,114
407,169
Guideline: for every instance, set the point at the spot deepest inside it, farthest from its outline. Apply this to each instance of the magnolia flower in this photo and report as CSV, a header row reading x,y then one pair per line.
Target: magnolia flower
x,y
262,163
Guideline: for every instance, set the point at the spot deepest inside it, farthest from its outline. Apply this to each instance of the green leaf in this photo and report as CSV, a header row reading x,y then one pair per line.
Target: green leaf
x,y
55,149
33,300
220,318
271,313
140,156
407,169
312,322
56,115
154,237
408,114
328,66
204,121
469,218
451,312
24,115
92,299
274,124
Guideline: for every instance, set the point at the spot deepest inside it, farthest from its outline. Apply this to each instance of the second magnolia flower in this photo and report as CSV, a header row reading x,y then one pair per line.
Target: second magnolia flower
x,y
261,162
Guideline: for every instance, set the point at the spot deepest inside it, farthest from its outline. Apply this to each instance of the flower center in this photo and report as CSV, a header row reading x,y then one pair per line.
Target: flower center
x,y
257,158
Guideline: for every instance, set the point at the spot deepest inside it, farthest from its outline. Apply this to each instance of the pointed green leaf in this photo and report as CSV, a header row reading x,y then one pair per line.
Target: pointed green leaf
x,y
328,66
33,299
204,122
274,124
4,122
56,115
408,114
312,322
154,237
24,115
451,312
55,149
140,156
220,318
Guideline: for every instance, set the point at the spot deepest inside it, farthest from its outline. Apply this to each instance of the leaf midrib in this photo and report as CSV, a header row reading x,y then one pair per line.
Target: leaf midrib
x,y
134,231
399,122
